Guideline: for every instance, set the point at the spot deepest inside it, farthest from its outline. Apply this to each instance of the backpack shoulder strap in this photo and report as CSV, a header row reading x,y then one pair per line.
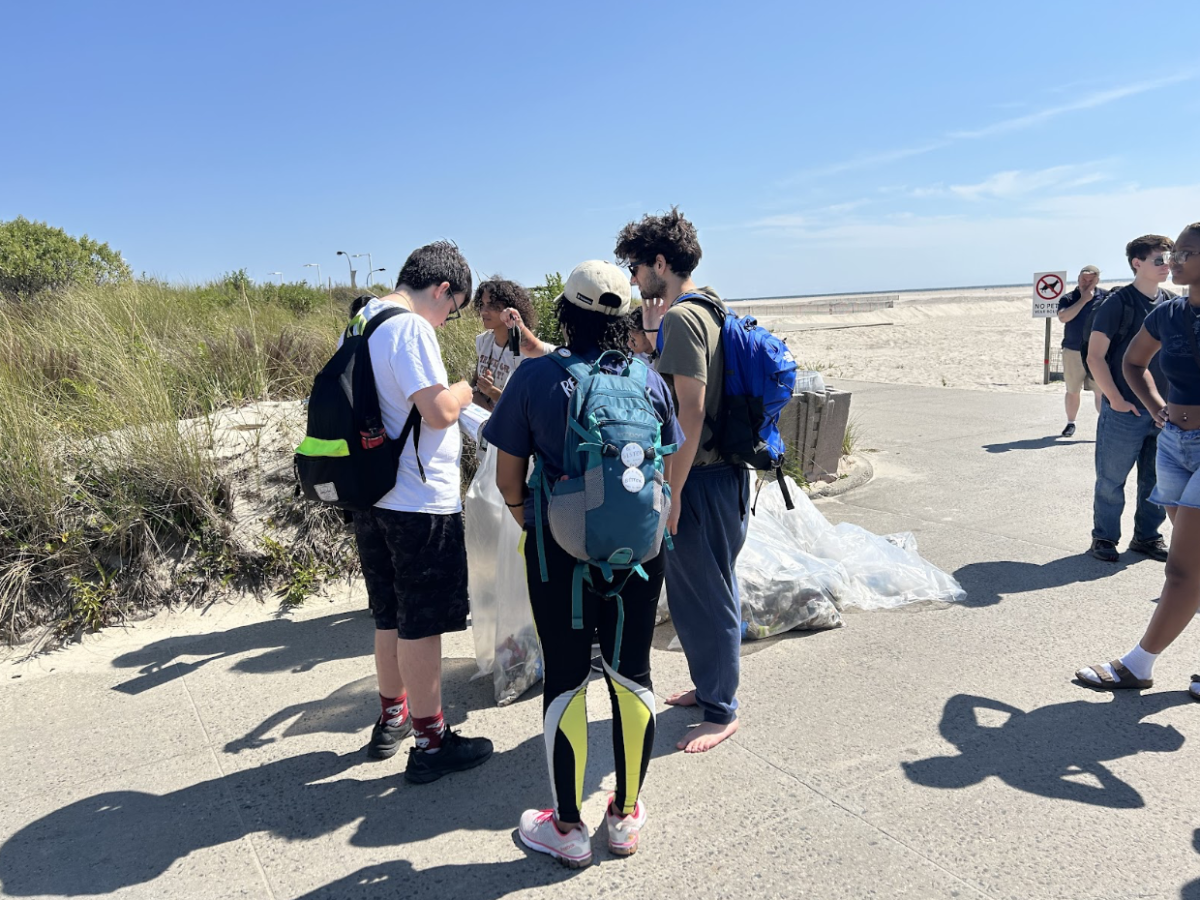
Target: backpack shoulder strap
x,y
380,317
576,368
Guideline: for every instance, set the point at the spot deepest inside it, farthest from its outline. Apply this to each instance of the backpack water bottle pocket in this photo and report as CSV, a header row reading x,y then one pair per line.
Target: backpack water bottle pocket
x,y
570,502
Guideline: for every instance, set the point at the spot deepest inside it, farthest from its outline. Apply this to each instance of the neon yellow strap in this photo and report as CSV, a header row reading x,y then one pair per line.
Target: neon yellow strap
x,y
311,446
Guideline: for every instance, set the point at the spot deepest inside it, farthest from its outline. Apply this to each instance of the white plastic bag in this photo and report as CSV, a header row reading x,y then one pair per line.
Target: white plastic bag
x,y
783,588
884,572
501,620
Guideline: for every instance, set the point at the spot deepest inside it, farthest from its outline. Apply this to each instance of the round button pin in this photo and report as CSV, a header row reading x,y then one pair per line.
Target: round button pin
x,y
633,455
633,480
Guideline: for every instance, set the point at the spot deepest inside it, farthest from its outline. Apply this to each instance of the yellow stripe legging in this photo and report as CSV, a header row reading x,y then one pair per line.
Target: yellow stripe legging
x,y
566,654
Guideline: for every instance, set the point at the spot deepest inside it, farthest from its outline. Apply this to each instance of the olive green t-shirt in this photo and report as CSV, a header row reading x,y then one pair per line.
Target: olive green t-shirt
x,y
691,332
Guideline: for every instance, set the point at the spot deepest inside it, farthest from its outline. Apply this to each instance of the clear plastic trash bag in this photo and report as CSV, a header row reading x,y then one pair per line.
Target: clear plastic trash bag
x,y
501,620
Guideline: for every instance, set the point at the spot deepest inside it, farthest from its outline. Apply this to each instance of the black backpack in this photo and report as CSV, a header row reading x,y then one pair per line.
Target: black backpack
x,y
346,459
1117,295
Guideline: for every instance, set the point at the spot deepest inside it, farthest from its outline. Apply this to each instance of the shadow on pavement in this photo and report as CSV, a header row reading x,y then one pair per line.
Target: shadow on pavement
x,y
1033,444
117,839
283,645
984,582
479,881
1191,890
1055,751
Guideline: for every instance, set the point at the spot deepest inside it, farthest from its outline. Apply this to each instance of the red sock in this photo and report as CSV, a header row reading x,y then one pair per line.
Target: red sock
x,y
395,710
428,731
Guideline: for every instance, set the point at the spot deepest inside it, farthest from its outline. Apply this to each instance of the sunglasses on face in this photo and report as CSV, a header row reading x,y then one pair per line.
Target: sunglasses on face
x,y
634,266
1163,259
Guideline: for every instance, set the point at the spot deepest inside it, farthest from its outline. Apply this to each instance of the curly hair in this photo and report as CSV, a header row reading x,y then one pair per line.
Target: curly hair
x,y
433,264
584,329
507,293
1141,247
669,234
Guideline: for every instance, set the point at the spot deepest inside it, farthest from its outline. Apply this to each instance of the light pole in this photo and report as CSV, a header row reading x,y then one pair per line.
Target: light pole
x,y
370,265
372,272
318,266
353,286
280,274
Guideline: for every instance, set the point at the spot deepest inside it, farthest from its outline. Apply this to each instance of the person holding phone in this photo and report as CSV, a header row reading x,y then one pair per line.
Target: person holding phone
x,y
503,306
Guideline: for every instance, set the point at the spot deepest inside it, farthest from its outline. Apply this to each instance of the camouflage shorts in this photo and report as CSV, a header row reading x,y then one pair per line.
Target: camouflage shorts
x,y
415,569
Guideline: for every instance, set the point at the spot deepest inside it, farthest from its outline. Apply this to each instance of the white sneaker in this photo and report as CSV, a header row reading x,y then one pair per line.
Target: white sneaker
x,y
538,832
623,830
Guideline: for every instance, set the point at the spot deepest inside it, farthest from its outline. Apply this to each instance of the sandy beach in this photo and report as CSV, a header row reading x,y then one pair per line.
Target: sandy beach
x,y
981,338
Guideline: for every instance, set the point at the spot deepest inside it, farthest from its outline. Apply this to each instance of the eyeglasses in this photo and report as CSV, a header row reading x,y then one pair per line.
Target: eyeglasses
x,y
455,313
1182,256
634,266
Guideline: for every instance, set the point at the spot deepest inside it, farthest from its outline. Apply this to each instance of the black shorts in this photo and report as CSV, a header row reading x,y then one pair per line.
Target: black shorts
x,y
415,568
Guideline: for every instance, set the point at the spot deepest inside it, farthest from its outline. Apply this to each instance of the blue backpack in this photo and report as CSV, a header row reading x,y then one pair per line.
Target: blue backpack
x,y
760,378
610,510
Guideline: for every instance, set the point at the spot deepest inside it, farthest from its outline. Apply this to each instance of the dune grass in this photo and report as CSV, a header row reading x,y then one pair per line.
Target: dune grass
x,y
106,506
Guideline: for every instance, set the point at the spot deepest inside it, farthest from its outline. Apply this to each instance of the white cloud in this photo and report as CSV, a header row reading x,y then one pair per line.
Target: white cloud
x,y
1016,183
1090,101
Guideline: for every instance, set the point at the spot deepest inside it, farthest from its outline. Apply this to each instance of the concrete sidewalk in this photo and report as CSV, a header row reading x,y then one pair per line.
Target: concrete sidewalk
x,y
922,753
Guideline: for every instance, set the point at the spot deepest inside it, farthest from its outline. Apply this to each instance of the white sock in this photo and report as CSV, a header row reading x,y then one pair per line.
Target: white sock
x,y
1070,421
1139,662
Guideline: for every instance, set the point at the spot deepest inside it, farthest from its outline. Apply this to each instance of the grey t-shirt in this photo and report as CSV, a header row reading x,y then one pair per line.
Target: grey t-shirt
x,y
691,347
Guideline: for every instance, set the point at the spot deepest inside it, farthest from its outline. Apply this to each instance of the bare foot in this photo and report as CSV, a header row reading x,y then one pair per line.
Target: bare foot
x,y
683,698
705,736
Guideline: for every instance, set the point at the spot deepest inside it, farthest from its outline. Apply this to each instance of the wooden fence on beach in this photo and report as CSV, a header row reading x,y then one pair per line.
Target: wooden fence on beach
x,y
832,306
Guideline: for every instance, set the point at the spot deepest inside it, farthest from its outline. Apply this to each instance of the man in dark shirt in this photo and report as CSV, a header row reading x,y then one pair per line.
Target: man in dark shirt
x,y
1073,312
1126,433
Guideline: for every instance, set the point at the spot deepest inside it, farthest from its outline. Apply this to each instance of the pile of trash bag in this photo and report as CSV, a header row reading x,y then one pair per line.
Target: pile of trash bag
x,y
506,645
799,572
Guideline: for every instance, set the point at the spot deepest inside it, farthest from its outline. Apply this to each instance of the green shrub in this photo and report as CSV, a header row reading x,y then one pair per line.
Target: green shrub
x,y
36,258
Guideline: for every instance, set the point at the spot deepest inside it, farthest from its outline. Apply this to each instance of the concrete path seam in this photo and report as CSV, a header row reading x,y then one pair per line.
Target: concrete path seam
x,y
237,809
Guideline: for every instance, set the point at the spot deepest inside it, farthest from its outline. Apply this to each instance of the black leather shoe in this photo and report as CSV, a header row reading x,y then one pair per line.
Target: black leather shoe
x,y
1105,550
1155,549
1069,431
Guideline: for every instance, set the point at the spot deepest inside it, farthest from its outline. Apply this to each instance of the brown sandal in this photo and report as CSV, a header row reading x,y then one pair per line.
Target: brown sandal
x,y
1123,679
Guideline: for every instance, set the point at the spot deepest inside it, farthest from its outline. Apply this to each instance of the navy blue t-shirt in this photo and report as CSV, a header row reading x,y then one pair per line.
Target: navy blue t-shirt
x,y
1073,330
1108,322
1169,323
531,415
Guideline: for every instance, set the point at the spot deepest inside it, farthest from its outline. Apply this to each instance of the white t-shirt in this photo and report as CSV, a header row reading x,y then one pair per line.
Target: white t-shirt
x,y
498,358
407,359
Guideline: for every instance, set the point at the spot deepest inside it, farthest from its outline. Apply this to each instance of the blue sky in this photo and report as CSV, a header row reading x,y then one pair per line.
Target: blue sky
x,y
817,147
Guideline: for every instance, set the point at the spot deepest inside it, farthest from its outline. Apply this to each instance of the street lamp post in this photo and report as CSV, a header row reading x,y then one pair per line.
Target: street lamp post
x,y
372,272
280,274
318,267
370,265
351,265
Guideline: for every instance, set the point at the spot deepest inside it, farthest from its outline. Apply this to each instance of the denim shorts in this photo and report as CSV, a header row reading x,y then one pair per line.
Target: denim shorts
x,y
1177,464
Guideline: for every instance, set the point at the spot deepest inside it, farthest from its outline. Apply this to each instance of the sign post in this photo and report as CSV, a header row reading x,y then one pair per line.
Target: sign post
x,y
1048,289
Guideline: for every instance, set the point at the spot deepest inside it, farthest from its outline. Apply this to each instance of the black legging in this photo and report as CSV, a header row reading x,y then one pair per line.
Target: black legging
x,y
566,654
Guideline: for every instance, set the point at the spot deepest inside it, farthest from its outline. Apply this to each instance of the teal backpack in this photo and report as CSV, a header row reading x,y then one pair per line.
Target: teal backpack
x,y
610,511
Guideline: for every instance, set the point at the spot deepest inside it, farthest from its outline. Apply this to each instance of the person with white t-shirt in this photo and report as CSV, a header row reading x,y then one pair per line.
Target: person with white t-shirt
x,y
501,304
411,543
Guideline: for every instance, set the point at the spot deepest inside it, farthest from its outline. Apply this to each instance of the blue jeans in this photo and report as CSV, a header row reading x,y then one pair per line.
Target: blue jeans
x,y
1122,441
702,590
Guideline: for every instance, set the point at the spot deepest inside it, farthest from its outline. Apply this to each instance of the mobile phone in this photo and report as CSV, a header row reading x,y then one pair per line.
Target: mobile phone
x,y
514,340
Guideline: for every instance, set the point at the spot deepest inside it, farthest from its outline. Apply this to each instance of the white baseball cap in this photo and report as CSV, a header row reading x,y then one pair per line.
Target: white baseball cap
x,y
599,286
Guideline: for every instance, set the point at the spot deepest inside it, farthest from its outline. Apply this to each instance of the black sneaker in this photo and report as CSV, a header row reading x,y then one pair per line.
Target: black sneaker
x,y
1069,431
456,755
1155,549
1104,550
385,739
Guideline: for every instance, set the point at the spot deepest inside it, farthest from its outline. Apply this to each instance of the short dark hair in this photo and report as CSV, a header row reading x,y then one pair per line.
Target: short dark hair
x,y
507,293
584,329
1141,247
669,234
433,264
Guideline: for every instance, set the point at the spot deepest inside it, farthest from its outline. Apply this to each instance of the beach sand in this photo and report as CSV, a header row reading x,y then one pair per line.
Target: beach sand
x,y
982,338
